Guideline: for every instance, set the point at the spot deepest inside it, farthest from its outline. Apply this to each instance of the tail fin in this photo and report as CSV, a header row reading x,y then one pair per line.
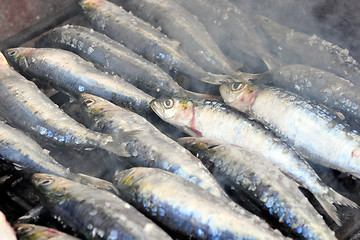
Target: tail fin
x,y
98,183
120,140
202,96
327,202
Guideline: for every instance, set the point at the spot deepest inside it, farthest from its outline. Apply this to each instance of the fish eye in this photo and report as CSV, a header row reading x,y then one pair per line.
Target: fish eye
x,y
236,86
89,102
168,103
23,230
46,182
12,52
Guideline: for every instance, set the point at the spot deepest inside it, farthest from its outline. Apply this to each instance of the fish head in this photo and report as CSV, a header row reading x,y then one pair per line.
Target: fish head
x,y
30,231
240,95
18,57
51,187
24,230
15,54
195,144
126,180
89,4
93,109
176,111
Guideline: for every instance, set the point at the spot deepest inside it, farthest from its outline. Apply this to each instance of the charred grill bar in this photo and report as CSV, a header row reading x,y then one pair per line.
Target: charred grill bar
x,y
19,202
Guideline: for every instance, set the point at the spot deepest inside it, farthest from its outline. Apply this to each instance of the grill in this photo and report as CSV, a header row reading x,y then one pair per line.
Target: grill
x,y
335,21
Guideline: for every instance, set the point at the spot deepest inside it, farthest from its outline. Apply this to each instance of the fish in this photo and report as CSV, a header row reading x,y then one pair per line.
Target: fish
x,y
186,208
29,109
6,231
324,87
68,72
27,156
205,118
179,24
314,130
149,146
145,40
261,181
92,212
36,232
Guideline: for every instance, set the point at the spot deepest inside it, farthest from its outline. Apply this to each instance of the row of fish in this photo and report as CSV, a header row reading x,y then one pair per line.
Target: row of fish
x,y
181,193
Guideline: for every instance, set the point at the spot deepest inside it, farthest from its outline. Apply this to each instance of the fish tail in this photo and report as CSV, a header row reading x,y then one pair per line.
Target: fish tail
x,y
327,203
202,96
245,77
117,145
332,197
341,200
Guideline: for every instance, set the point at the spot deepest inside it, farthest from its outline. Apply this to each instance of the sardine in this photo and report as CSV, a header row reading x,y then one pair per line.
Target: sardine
x,y
6,231
186,208
28,157
68,72
145,40
150,147
36,232
216,120
26,107
324,87
95,213
261,181
312,129
179,24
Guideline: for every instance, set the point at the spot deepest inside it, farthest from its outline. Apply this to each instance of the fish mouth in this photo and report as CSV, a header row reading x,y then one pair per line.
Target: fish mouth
x,y
226,93
156,106
42,179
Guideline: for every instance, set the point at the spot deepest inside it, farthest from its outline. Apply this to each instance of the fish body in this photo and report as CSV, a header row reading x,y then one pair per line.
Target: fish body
x,y
311,128
26,107
149,146
217,120
68,72
261,181
324,87
112,56
186,208
36,232
95,213
145,40
177,23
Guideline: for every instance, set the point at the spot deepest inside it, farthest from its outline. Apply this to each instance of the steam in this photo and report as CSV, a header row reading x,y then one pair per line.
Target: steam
x,y
334,21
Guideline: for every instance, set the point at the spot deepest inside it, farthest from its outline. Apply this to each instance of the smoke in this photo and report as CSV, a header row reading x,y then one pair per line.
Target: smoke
x,y
336,21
